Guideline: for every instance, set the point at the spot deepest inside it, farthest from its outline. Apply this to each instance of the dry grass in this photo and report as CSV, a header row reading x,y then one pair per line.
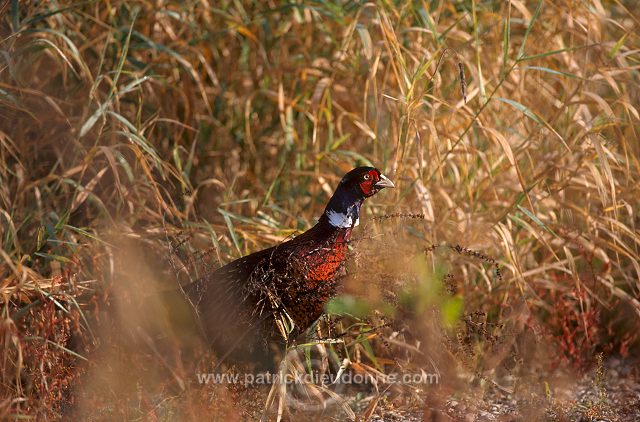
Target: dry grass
x,y
230,122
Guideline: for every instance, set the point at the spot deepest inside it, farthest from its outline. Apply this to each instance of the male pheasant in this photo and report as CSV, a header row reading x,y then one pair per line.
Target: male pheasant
x,y
282,290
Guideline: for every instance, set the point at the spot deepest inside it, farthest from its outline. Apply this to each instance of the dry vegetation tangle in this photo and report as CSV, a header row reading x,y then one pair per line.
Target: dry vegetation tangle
x,y
142,143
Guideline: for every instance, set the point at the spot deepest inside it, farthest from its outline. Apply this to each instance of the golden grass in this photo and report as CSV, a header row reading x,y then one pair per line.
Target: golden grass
x,y
232,122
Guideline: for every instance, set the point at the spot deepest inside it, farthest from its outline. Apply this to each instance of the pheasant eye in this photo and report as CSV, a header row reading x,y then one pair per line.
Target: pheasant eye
x,y
367,176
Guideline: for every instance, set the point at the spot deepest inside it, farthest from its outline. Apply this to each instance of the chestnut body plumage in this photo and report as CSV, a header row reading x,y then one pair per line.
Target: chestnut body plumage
x,y
282,290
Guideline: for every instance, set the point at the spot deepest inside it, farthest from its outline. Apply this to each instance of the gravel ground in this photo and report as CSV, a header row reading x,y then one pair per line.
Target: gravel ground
x,y
612,394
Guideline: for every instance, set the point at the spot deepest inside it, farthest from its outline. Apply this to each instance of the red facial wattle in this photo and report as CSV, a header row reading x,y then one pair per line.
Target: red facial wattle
x,y
368,185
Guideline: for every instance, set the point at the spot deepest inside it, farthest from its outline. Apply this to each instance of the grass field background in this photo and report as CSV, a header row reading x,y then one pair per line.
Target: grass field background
x,y
509,128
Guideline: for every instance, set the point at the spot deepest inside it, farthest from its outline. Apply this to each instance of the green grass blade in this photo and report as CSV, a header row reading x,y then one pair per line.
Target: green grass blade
x,y
529,28
506,38
483,92
554,52
552,71
232,232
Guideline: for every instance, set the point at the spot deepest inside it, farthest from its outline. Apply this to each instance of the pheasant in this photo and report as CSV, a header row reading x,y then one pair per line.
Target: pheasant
x,y
282,290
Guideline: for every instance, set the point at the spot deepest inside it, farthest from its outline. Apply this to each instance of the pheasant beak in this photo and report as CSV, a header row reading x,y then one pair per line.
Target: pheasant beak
x,y
384,182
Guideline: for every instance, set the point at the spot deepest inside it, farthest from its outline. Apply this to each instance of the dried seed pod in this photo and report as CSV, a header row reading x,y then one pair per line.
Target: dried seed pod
x,y
463,83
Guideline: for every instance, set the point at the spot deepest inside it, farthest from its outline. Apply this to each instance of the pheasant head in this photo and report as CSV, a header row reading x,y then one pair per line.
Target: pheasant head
x,y
343,209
